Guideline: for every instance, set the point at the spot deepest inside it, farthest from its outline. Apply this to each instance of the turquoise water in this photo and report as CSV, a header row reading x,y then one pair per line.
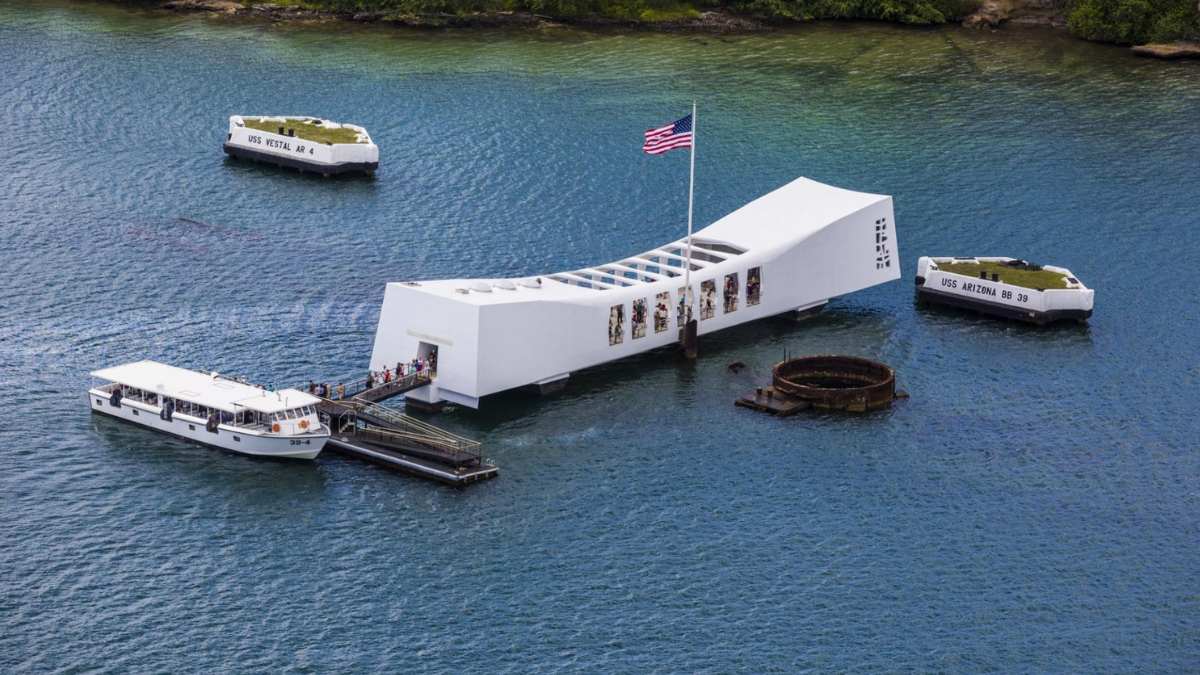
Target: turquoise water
x,y
1031,508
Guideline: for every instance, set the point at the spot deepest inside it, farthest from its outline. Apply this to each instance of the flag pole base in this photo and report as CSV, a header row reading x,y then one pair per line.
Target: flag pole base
x,y
689,339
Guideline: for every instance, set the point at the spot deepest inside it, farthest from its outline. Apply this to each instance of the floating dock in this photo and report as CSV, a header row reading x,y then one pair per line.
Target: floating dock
x,y
363,429
304,143
1004,287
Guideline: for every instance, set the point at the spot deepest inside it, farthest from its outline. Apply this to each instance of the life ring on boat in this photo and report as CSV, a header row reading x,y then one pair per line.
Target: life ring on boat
x,y
303,424
275,427
212,423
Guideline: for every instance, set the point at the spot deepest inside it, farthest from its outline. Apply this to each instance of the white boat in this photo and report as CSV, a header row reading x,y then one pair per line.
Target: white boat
x,y
305,143
997,286
788,251
212,410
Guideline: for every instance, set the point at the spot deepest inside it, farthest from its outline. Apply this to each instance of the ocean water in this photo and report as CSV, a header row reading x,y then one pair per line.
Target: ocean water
x,y
1033,507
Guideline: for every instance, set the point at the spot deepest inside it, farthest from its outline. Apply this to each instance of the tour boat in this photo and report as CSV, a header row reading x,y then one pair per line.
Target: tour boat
x,y
212,410
1005,287
789,251
305,143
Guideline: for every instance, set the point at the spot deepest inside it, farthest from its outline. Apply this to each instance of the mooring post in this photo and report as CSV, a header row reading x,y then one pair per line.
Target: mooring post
x,y
689,339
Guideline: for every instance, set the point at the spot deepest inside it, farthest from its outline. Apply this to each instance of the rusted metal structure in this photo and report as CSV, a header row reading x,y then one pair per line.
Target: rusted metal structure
x,y
826,382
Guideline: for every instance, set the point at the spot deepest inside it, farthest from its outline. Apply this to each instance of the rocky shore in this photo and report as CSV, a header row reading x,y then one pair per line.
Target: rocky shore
x,y
1048,13
990,15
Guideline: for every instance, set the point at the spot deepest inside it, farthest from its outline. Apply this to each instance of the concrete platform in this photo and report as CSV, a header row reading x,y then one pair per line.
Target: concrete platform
x,y
769,401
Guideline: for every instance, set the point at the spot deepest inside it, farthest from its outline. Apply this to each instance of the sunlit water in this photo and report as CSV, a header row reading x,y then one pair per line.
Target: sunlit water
x,y
1032,508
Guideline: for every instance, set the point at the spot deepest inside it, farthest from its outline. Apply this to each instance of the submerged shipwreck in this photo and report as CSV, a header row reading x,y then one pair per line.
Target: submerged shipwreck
x,y
791,250
304,143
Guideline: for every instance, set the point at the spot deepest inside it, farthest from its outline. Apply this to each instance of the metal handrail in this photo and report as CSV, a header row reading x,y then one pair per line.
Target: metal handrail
x,y
408,429
472,453
356,387
418,427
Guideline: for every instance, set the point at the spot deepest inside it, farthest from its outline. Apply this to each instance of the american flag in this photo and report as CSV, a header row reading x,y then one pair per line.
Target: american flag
x,y
677,134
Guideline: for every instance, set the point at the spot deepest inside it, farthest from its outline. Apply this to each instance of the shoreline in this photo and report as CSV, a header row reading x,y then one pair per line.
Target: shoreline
x,y
991,14
706,22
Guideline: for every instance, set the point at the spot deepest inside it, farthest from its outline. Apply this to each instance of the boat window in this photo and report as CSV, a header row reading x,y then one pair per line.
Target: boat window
x,y
291,414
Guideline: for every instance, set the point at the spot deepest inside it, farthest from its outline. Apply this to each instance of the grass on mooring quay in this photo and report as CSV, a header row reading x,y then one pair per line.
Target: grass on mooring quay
x,y
304,130
1036,279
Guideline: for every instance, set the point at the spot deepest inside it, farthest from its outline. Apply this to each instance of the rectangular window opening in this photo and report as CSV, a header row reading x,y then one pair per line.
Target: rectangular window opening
x,y
708,299
638,318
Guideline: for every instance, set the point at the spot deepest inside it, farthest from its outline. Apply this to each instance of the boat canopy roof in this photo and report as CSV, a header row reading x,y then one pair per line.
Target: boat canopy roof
x,y
202,389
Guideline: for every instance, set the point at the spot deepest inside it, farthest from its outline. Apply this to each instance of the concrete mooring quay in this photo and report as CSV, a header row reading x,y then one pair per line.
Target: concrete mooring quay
x,y
362,428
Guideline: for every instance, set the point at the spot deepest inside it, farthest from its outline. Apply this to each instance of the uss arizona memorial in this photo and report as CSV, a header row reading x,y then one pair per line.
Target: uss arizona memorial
x,y
791,250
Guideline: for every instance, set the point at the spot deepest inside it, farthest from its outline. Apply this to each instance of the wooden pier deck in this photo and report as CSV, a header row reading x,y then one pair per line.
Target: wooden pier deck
x,y
362,428
768,400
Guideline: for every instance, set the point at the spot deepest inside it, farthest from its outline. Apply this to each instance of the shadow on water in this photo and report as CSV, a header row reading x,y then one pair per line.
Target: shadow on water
x,y
241,168
941,317
759,344
156,455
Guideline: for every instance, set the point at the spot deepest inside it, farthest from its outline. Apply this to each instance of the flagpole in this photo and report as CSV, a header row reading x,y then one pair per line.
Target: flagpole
x,y
687,271
690,328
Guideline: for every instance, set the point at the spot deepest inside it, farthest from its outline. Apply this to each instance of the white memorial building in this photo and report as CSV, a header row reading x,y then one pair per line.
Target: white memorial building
x,y
791,250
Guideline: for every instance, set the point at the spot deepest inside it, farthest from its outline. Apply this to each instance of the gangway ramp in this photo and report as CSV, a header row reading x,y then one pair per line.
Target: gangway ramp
x,y
366,430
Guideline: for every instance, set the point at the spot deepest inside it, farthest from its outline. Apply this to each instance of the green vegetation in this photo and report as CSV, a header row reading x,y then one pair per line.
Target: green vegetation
x,y
1119,21
1040,279
1134,21
308,132
904,11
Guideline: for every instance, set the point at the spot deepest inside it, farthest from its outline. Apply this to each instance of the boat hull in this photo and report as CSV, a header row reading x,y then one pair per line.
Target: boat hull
x,y
231,439
235,150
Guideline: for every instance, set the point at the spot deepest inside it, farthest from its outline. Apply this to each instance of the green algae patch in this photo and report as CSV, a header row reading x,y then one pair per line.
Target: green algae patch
x,y
1035,279
305,130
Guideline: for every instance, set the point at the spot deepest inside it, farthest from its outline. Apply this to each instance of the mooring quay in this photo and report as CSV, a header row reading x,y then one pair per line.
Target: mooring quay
x,y
364,429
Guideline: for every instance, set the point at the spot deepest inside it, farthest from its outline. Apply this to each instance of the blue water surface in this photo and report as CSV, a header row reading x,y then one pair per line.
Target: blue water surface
x,y
1031,508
